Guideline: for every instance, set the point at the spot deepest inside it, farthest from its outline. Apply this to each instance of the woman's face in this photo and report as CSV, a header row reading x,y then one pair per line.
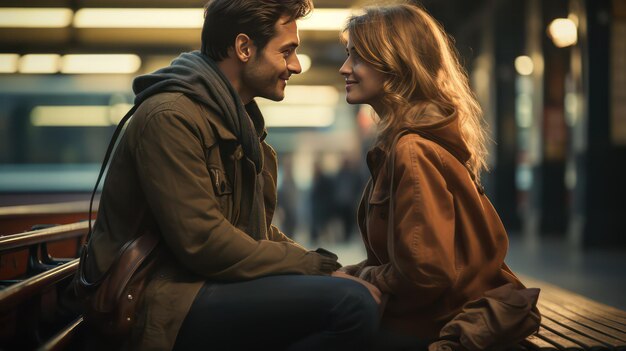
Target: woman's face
x,y
364,84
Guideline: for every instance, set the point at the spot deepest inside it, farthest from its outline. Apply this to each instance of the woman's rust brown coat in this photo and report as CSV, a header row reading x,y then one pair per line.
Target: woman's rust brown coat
x,y
448,243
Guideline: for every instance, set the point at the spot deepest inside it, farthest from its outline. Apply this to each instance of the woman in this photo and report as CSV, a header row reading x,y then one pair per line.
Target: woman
x,y
434,242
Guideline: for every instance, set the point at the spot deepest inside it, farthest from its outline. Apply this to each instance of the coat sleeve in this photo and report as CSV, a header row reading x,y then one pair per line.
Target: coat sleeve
x,y
352,269
421,251
276,235
171,164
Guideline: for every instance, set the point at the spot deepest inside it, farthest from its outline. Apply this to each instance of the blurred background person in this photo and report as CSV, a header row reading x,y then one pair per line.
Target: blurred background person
x,y
288,197
322,202
348,186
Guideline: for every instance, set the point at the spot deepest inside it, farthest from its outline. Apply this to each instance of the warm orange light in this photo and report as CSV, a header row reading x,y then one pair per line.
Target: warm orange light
x,y
563,32
524,65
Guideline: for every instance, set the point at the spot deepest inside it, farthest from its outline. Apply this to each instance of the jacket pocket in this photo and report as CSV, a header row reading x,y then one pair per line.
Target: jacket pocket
x,y
223,190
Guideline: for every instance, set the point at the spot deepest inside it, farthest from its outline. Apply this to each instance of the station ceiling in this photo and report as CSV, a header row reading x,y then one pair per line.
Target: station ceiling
x,y
157,46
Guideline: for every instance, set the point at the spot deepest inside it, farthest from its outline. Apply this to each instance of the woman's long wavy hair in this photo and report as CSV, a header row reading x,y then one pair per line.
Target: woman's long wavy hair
x,y
421,66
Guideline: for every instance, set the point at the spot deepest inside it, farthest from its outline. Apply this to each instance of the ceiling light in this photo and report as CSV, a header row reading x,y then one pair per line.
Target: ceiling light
x,y
8,63
326,19
298,116
118,111
563,32
138,18
39,63
524,65
40,17
320,19
310,94
100,63
70,116
303,106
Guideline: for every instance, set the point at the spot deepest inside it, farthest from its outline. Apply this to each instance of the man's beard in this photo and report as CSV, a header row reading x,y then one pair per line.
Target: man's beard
x,y
262,84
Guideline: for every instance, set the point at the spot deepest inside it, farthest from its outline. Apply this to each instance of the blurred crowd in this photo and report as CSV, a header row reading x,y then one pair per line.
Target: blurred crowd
x,y
326,210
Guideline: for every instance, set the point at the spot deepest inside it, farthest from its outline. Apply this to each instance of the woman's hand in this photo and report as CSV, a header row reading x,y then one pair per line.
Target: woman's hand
x,y
374,291
350,269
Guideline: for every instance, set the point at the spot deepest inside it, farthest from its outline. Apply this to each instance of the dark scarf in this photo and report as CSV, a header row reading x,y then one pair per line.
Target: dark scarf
x,y
199,78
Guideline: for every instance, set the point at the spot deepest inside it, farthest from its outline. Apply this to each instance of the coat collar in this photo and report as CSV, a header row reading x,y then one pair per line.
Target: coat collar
x,y
435,125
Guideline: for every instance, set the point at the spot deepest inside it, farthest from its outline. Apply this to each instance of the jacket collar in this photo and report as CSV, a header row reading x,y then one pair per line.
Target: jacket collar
x,y
375,159
253,112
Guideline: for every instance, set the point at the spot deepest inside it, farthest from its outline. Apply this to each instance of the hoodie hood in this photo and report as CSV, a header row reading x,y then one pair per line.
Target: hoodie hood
x,y
199,78
443,128
188,74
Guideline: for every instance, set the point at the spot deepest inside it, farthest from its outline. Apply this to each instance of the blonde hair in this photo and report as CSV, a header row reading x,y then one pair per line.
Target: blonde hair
x,y
421,66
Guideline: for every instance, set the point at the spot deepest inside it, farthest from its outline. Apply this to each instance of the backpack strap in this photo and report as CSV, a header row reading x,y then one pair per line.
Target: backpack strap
x,y
107,157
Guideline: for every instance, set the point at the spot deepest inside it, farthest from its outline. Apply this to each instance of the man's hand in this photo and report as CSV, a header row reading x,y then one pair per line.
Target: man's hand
x,y
376,294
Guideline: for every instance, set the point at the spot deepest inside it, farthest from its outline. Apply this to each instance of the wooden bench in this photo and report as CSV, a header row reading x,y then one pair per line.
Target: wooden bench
x,y
29,310
27,306
16,219
573,322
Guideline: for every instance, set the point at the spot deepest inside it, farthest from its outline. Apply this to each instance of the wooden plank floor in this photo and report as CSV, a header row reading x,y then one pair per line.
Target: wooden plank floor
x,y
573,322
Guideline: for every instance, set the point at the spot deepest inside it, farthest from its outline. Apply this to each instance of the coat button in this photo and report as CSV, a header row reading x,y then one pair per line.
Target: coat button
x,y
223,187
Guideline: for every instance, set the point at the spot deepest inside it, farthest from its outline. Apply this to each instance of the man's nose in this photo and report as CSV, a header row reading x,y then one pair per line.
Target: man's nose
x,y
293,65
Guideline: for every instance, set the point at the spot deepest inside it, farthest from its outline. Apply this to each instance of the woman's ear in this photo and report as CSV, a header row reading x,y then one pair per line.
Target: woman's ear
x,y
244,47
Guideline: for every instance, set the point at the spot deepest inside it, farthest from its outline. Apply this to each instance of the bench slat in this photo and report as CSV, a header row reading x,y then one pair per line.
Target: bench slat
x,y
584,305
17,293
560,342
582,340
608,340
533,342
594,315
583,320
555,294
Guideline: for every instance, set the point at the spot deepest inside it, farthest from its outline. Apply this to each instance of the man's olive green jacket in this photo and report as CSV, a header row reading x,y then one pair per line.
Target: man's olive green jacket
x,y
180,172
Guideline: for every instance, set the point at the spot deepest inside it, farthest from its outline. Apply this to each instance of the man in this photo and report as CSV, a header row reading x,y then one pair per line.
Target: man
x,y
193,166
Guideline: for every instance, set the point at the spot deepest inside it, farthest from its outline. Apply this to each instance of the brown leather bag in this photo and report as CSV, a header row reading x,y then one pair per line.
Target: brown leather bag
x,y
111,302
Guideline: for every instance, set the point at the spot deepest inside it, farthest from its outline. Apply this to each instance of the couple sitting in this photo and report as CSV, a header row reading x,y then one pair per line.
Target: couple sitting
x,y
194,167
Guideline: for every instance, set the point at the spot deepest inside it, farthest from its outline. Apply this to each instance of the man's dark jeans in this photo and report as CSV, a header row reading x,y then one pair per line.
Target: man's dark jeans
x,y
288,312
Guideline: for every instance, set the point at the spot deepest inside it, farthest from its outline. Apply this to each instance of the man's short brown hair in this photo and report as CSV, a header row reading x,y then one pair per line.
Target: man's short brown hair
x,y
225,19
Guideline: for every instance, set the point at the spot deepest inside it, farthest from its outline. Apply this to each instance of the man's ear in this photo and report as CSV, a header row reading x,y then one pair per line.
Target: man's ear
x,y
244,47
